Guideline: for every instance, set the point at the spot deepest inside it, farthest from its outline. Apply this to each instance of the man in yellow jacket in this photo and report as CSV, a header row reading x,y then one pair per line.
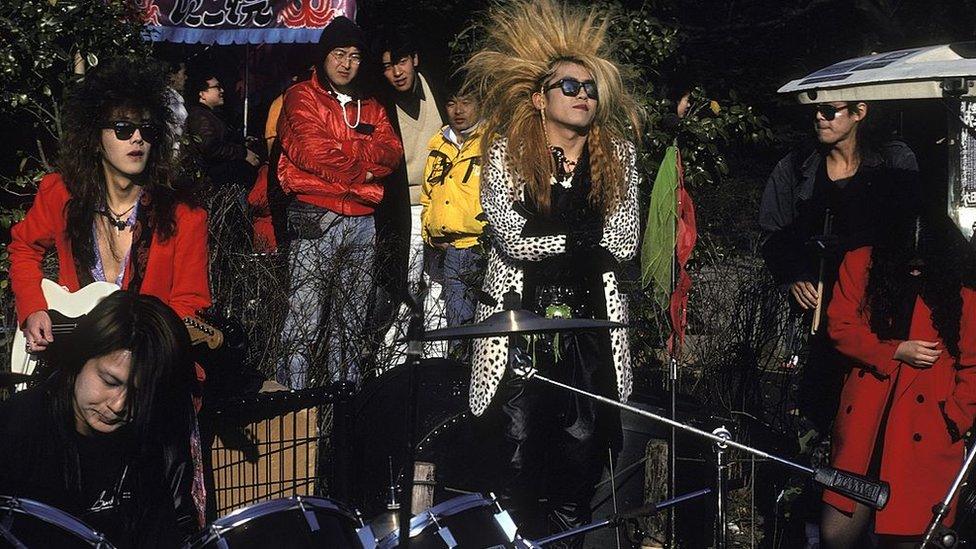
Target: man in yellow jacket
x,y
450,197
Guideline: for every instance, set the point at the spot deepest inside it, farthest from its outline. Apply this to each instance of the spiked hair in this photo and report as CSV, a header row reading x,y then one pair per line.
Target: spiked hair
x,y
525,42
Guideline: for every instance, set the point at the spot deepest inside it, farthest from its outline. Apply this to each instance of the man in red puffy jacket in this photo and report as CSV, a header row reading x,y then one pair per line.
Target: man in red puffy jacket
x,y
336,149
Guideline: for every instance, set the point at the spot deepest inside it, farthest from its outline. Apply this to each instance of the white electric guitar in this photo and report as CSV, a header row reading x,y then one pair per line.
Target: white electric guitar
x,y
66,307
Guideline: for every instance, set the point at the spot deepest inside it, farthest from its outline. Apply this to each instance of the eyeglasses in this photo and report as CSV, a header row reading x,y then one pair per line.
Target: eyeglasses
x,y
571,87
341,57
829,112
215,87
124,129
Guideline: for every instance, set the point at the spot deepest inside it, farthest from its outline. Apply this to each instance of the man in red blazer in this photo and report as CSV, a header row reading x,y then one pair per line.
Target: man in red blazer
x,y
110,211
336,148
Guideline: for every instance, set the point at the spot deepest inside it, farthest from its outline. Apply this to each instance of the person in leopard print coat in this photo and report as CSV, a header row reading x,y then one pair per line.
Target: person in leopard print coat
x,y
559,189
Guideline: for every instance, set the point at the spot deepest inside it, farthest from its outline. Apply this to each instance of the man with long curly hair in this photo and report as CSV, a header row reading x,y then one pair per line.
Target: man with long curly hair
x,y
559,188
111,211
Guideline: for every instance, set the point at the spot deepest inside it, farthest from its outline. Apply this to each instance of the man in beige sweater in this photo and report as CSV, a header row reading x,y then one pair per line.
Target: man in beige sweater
x,y
416,113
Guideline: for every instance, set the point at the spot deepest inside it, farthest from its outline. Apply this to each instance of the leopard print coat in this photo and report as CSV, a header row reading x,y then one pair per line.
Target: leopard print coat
x,y
500,189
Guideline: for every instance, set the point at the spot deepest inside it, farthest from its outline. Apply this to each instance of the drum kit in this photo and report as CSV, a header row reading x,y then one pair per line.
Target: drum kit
x,y
470,520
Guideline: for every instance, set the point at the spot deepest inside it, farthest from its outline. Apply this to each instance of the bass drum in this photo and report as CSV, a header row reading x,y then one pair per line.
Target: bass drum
x,y
35,524
299,522
445,433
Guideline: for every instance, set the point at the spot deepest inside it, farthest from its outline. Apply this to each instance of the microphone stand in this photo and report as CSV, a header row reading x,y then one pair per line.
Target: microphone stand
x,y
870,492
936,534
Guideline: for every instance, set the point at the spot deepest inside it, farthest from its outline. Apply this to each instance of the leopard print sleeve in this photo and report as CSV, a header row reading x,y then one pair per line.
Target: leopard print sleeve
x,y
500,189
620,232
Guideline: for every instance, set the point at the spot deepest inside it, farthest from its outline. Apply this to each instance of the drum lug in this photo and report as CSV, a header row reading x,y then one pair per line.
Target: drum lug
x,y
310,518
444,533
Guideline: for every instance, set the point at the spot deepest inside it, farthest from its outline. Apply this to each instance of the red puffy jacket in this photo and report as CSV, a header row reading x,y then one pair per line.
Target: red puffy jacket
x,y
324,161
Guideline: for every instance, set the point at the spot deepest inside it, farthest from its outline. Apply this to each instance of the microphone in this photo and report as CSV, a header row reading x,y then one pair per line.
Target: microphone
x,y
868,491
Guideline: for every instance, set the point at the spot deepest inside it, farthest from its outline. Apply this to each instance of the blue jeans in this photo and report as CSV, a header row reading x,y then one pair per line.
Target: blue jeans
x,y
331,286
454,268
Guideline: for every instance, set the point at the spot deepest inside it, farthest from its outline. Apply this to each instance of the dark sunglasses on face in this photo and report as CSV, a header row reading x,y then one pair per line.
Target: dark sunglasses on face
x,y
571,87
829,112
124,129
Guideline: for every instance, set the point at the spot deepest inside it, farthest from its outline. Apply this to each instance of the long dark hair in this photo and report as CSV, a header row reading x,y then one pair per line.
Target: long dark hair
x,y
157,390
932,244
117,84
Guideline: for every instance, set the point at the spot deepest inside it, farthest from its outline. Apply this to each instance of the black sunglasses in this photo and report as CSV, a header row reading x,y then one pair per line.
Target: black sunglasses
x,y
829,112
124,129
571,87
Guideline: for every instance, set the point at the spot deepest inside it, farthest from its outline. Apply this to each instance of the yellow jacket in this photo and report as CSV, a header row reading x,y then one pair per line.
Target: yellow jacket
x,y
451,190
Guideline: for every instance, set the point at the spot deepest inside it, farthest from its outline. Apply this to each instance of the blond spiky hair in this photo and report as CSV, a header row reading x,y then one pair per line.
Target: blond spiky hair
x,y
525,42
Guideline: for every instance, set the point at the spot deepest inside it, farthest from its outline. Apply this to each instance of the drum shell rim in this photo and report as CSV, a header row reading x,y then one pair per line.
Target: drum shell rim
x,y
61,519
419,522
215,529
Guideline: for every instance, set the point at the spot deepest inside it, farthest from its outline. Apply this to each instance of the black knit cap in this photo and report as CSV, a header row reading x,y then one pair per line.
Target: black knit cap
x,y
339,33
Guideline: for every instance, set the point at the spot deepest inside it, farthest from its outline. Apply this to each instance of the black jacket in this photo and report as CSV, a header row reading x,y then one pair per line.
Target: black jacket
x,y
32,466
393,213
210,138
793,207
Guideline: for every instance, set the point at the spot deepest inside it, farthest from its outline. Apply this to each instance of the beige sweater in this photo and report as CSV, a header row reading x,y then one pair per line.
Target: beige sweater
x,y
416,133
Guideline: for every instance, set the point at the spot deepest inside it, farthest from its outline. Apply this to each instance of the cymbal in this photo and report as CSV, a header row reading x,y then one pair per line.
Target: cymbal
x,y
8,379
518,321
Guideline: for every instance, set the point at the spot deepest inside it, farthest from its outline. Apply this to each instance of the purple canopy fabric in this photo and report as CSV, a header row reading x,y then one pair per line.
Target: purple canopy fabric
x,y
241,21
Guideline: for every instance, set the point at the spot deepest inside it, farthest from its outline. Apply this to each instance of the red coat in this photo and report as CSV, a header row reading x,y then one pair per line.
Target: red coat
x,y
176,271
920,457
324,161
262,236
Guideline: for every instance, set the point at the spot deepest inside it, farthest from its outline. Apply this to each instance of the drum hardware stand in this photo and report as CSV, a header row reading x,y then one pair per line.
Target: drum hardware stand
x,y
673,443
613,493
873,493
937,535
415,331
620,518
10,538
721,526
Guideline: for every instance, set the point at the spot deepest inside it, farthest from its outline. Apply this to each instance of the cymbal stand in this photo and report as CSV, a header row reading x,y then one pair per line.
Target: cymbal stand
x,y
868,491
936,534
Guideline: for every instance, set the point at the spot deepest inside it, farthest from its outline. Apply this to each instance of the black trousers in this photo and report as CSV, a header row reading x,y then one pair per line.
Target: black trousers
x,y
552,444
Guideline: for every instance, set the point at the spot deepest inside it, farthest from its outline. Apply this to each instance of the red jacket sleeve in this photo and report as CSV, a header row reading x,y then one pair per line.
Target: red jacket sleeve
x,y
191,278
848,326
382,150
961,405
29,240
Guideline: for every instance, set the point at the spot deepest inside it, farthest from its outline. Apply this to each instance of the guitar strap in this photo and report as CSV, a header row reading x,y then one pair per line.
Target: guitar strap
x,y
142,235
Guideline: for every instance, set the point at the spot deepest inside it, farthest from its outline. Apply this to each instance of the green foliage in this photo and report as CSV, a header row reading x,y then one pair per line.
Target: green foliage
x,y
40,41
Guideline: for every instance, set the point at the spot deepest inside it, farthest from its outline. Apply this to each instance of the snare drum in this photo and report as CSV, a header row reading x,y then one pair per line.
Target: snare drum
x,y
297,522
466,521
34,524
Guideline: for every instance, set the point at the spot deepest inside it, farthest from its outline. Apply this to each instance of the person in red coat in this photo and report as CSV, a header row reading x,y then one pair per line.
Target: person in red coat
x,y
337,146
110,211
904,314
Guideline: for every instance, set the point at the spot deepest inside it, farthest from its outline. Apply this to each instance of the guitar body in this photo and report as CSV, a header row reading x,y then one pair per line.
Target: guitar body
x,y
64,307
